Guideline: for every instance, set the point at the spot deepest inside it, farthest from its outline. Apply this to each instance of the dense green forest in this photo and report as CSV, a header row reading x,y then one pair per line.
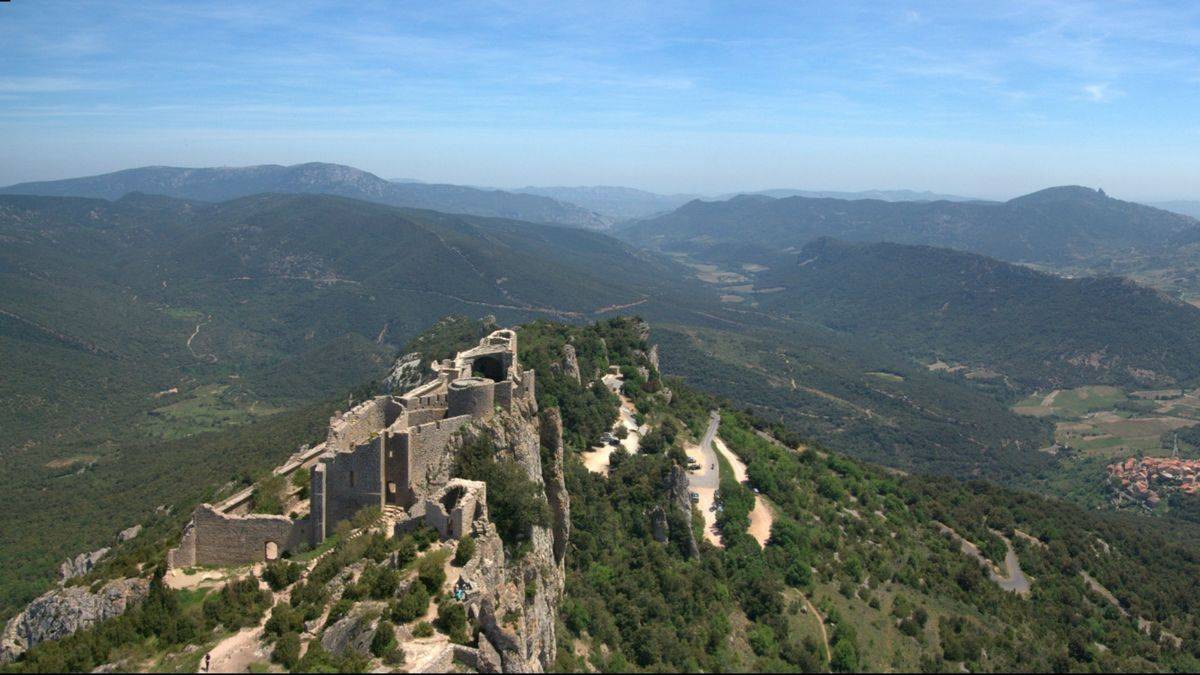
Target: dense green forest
x,y
857,573
832,391
1035,329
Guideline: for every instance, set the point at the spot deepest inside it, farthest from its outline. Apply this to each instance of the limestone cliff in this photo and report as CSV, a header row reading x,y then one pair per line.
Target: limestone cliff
x,y
677,488
516,601
63,611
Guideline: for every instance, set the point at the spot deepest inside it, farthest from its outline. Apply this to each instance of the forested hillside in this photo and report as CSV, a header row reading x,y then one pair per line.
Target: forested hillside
x,y
136,333
1036,329
1056,225
863,570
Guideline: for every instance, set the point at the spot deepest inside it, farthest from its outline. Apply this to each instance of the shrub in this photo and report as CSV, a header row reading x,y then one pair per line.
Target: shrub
x,y
340,609
452,620
284,619
423,630
464,552
385,638
237,605
515,503
406,551
267,496
281,574
431,574
411,605
287,650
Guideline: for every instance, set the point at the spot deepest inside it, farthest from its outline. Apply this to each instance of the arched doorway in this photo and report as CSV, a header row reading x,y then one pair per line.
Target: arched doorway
x,y
272,551
489,367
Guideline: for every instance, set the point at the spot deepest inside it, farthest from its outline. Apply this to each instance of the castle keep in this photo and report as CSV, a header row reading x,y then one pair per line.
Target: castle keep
x,y
390,452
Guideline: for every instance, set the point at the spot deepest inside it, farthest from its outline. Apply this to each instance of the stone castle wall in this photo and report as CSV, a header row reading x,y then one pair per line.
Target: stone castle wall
x,y
357,425
219,539
388,451
353,481
416,459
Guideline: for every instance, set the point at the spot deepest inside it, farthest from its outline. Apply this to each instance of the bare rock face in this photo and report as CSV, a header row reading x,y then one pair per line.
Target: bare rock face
x,y
570,363
653,357
80,564
643,330
353,631
659,528
63,611
129,533
677,487
556,482
516,600
406,373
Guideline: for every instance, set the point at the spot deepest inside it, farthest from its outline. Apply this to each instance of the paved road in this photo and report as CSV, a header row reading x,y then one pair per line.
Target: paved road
x,y
707,478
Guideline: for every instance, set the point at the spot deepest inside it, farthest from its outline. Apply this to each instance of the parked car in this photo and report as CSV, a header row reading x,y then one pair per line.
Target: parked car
x,y
695,497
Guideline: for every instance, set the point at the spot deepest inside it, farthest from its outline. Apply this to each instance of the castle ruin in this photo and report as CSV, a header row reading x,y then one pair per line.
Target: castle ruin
x,y
390,453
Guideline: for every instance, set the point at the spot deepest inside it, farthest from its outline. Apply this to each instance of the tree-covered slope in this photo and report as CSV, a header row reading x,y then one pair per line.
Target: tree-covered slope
x,y
863,569
1037,329
145,322
1054,225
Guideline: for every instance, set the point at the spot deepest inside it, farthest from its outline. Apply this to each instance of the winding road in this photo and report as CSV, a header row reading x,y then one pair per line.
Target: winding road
x,y
706,480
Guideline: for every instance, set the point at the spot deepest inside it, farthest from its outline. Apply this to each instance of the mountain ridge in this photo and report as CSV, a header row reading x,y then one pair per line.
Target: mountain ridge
x,y
1053,225
216,184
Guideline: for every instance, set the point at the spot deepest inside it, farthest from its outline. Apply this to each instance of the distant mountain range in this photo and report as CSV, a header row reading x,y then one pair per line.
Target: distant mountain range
x,y
1055,225
882,195
623,203
1183,206
223,183
619,203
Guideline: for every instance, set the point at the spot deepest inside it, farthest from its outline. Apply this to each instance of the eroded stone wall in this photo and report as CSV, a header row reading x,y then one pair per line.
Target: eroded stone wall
x,y
353,480
215,538
357,425
417,459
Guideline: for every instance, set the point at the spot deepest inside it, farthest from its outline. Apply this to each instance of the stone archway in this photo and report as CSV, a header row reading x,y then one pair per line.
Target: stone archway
x,y
271,551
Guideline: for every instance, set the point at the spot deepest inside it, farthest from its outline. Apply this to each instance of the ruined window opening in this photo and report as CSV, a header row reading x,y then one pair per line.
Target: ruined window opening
x,y
351,479
391,488
272,551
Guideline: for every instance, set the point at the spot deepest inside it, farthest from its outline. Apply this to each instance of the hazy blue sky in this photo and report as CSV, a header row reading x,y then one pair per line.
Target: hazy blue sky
x,y
986,99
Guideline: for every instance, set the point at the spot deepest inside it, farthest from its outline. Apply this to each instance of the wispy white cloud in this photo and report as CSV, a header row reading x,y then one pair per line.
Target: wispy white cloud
x,y
47,85
1100,93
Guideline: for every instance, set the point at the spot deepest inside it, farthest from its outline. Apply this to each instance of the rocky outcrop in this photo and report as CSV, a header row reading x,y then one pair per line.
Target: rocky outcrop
x,y
643,330
660,529
556,482
129,533
406,373
681,499
80,564
653,357
515,601
570,363
63,611
354,631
